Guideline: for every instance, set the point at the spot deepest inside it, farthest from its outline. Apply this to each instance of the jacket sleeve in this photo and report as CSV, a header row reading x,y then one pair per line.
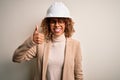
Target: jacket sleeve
x,y
25,52
78,65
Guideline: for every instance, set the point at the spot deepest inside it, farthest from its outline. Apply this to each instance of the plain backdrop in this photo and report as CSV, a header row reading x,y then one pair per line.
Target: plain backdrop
x,y
97,25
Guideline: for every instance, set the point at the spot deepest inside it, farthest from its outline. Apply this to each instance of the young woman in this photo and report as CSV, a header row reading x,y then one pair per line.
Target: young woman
x,y
58,55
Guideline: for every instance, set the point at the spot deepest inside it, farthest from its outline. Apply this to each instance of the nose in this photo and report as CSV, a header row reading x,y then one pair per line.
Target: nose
x,y
56,24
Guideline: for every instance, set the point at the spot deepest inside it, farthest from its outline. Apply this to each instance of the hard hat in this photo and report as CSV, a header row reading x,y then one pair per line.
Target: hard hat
x,y
58,9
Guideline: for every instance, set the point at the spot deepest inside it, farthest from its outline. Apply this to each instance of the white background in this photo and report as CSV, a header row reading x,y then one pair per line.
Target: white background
x,y
97,25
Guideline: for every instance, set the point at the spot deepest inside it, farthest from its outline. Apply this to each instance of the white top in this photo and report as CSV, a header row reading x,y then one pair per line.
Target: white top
x,y
56,59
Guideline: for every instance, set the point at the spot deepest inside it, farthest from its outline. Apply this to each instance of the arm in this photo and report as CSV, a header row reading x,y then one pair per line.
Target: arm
x,y
78,65
25,52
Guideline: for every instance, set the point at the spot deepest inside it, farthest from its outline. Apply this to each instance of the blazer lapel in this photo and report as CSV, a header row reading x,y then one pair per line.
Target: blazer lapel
x,y
66,58
45,59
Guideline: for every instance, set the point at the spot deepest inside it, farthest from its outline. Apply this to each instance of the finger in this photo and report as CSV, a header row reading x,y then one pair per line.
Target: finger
x,y
39,35
38,38
39,41
36,29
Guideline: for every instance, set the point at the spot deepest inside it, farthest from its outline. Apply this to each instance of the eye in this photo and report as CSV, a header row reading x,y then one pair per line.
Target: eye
x,y
60,21
52,21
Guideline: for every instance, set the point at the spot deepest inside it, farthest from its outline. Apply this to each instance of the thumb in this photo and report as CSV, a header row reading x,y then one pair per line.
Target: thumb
x,y
36,28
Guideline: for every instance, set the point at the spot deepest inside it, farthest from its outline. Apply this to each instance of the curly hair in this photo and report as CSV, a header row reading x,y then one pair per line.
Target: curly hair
x,y
45,25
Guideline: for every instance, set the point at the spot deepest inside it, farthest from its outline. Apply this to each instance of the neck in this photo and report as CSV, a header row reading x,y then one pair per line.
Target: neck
x,y
59,38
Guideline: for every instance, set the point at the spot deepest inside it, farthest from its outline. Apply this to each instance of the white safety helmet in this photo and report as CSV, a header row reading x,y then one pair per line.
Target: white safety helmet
x,y
58,9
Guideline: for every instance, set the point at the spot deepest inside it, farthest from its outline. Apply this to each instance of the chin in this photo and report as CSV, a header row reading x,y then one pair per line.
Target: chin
x,y
58,34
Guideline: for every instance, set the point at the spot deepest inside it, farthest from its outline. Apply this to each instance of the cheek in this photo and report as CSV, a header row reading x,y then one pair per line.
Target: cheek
x,y
64,27
51,28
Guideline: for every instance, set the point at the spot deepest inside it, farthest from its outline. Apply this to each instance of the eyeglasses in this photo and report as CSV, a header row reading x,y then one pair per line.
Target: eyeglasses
x,y
54,21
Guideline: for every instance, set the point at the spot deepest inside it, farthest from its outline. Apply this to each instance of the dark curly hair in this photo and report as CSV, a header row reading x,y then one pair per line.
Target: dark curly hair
x,y
45,25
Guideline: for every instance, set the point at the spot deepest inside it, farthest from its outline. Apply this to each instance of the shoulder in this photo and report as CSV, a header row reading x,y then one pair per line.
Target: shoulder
x,y
74,41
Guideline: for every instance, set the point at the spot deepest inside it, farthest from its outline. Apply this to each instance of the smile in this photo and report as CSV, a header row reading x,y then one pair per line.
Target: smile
x,y
57,30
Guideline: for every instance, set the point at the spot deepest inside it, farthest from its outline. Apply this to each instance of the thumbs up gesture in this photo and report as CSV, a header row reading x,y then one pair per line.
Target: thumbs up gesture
x,y
37,36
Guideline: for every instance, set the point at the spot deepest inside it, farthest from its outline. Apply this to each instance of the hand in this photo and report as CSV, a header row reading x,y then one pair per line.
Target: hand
x,y
38,37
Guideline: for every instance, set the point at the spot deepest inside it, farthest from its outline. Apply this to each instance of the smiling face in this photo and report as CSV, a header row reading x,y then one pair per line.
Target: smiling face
x,y
57,26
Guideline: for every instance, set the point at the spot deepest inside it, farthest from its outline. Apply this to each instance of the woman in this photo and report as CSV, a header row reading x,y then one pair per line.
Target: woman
x,y
58,55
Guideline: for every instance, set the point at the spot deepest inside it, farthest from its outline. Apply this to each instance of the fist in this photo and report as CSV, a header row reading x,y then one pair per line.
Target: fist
x,y
38,37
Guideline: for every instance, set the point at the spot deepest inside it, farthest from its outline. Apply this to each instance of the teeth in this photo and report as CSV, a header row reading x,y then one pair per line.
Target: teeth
x,y
57,30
